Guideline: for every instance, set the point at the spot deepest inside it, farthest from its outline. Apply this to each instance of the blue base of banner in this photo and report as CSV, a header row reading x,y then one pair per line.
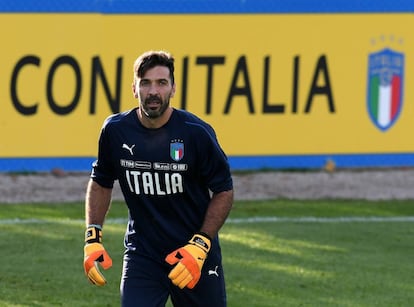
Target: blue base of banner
x,y
206,6
283,162
46,164
296,162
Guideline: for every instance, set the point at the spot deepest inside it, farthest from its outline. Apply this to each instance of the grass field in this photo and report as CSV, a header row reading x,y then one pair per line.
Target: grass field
x,y
276,253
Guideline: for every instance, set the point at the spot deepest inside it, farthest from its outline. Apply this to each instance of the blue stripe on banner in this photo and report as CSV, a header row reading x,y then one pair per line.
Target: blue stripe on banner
x,y
236,162
206,6
319,161
72,164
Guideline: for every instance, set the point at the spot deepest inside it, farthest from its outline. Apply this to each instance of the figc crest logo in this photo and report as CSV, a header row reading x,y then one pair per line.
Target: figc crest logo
x,y
385,87
176,150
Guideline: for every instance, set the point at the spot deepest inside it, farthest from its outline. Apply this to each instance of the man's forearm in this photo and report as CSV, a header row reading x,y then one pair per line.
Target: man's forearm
x,y
217,213
97,203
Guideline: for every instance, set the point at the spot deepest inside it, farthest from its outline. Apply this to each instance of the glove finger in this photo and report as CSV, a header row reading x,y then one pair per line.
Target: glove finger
x,y
100,256
185,281
180,276
193,282
106,263
95,276
177,271
88,264
191,264
172,258
93,282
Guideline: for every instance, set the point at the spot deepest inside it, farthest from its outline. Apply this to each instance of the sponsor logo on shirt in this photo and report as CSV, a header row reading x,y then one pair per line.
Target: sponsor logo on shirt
x,y
158,166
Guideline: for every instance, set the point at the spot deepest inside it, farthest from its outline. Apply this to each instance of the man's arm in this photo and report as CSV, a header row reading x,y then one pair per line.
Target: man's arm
x,y
189,259
97,203
217,212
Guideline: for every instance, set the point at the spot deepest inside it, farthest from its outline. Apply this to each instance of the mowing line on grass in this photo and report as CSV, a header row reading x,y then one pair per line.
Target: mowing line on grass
x,y
312,219
248,220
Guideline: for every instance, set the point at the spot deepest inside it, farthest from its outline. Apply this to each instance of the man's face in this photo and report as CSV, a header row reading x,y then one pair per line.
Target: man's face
x,y
154,91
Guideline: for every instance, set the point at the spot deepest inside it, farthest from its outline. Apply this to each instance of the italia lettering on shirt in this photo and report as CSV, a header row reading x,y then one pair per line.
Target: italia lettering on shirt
x,y
154,183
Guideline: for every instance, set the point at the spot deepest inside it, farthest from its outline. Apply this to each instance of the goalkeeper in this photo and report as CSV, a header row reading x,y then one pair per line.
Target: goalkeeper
x,y
177,185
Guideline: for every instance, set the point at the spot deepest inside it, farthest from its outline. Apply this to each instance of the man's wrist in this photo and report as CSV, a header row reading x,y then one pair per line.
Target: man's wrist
x,y
201,240
93,234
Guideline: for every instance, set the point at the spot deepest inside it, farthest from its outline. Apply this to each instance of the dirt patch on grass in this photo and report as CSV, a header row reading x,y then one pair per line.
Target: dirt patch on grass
x,y
346,184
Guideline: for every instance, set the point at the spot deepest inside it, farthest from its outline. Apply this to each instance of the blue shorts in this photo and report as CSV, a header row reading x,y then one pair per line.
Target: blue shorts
x,y
145,282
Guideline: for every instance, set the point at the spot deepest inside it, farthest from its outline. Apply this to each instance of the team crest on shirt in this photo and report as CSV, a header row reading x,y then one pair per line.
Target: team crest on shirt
x,y
176,150
385,87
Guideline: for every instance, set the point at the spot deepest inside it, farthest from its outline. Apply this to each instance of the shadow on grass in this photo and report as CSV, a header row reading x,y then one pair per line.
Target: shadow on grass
x,y
42,266
291,264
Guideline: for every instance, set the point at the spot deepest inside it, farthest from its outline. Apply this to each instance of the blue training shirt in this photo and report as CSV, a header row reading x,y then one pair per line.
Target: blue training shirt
x,y
165,175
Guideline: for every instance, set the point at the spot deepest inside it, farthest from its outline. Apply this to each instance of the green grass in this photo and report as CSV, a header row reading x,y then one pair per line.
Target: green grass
x,y
287,263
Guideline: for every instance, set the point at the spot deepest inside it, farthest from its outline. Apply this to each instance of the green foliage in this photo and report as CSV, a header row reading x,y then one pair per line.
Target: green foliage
x,y
288,263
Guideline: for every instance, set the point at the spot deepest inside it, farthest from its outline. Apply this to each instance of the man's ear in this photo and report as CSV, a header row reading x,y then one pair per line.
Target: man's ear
x,y
173,91
135,88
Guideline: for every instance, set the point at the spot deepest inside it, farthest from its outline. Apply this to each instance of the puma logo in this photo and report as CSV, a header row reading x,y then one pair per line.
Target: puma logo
x,y
125,146
213,272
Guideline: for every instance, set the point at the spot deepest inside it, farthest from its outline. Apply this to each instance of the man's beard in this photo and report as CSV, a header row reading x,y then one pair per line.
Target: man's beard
x,y
157,110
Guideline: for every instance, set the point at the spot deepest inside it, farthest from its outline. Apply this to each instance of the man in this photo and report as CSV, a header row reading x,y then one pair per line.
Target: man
x,y
177,185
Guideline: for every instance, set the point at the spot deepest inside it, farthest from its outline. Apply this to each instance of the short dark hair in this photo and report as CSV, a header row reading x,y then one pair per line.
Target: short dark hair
x,y
150,59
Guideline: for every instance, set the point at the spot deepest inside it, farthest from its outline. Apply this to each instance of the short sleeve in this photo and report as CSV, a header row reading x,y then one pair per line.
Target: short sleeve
x,y
102,169
214,163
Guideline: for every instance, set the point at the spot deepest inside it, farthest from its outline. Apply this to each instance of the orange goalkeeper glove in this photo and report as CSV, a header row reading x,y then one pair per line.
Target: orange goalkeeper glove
x,y
95,253
189,261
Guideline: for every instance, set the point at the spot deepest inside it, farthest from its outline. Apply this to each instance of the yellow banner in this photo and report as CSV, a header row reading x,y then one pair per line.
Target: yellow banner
x,y
268,84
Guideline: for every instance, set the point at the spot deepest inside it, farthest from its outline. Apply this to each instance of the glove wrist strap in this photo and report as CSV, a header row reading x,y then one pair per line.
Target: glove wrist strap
x,y
93,234
202,241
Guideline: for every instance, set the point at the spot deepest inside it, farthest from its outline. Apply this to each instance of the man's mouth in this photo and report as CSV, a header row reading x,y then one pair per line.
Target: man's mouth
x,y
153,102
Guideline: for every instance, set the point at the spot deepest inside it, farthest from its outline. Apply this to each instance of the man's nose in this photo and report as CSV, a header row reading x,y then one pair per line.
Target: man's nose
x,y
153,89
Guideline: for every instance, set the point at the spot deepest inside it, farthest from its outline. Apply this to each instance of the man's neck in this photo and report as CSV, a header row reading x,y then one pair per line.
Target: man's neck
x,y
154,123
